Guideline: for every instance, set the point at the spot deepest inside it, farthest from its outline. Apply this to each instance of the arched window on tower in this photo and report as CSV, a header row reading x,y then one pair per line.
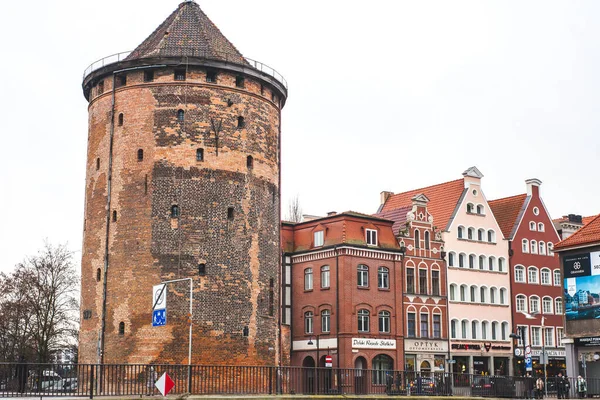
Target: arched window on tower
x,y
121,328
140,155
240,122
199,154
250,162
97,163
98,275
114,216
175,211
180,115
121,119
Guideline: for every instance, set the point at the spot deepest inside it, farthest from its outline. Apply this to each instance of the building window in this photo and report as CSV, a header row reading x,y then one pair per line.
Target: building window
x,y
559,337
97,163
239,81
492,263
534,304
558,305
437,326
502,296
480,234
504,330
325,277
230,213
525,245
474,329
179,75
536,211
121,328
121,80
532,275
422,281
100,87
148,75
371,237
318,238
463,328
201,269
533,247
363,275
308,322
211,76
469,208
482,262
461,232
245,332
461,260
501,264
473,294
547,305
363,320
470,233
87,314
484,330
463,292
411,325
240,122
98,275
424,325
410,280
383,278
542,248
140,155
435,283
384,321
417,239
541,227
532,226
521,303
535,336
249,162
471,261
175,211
199,154
494,330
325,321
479,209
491,236
114,216
550,249
453,329
308,279
451,257
482,294
453,292
180,115
545,276
493,295
120,119
519,273
556,274
427,240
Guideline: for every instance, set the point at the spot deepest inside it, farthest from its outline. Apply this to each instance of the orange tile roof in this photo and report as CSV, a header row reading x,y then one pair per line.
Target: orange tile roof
x,y
590,233
587,220
507,211
565,218
443,199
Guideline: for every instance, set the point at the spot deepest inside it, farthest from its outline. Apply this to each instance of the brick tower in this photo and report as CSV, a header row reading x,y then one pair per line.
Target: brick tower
x,y
182,181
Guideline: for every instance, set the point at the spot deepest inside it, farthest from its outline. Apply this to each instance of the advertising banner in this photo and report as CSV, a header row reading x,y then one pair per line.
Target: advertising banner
x,y
582,286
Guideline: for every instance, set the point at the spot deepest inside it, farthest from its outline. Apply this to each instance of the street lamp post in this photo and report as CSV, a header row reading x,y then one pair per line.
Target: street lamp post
x,y
310,343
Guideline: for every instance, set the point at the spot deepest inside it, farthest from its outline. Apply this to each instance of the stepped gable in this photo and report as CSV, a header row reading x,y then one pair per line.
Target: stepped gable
x,y
589,234
188,32
443,199
507,212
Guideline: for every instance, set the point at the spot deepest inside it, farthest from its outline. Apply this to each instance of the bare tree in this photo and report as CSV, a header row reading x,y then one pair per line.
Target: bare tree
x,y
39,308
294,213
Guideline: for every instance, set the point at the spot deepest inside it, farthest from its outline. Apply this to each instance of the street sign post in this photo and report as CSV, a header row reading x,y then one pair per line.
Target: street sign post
x,y
159,305
528,363
328,361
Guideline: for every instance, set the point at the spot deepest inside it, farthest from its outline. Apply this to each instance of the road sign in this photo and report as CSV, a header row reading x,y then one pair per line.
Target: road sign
x,y
518,352
452,361
164,384
159,297
159,317
328,361
528,363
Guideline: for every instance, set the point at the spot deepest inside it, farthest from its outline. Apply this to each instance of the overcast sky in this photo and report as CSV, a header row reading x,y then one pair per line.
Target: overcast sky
x,y
383,95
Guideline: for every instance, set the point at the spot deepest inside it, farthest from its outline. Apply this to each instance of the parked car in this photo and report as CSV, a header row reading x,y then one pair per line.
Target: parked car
x,y
427,386
492,386
69,384
49,381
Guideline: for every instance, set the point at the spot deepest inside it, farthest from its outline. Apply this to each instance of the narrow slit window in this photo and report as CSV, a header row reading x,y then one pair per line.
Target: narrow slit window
x,y
121,80
140,155
114,216
201,269
87,314
230,213
121,119
211,76
250,162
175,211
148,76
180,115
98,275
240,123
97,163
246,331
239,81
121,328
100,87
146,184
199,154
179,75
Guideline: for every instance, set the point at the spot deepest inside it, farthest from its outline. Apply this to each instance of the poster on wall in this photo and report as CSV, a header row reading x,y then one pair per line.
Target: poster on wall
x,y
582,286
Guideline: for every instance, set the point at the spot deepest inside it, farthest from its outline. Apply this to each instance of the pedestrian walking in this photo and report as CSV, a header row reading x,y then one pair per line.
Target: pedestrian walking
x,y
581,387
529,386
151,377
539,388
560,386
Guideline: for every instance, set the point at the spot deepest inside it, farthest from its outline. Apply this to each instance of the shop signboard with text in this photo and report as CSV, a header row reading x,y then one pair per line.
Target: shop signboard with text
x,y
582,286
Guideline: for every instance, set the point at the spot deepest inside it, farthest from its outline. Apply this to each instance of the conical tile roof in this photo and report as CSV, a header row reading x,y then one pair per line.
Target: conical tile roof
x,y
188,32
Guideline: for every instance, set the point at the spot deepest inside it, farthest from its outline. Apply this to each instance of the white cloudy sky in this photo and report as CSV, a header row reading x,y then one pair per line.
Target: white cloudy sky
x,y
384,95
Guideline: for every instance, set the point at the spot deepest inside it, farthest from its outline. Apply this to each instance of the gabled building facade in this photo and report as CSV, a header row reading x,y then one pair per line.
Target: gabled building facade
x,y
425,300
477,273
536,283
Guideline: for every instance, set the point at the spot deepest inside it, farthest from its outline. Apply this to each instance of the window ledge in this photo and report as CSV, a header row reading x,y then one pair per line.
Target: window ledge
x,y
362,287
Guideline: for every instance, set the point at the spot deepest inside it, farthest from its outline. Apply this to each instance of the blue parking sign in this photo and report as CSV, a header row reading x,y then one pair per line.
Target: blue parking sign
x,y
159,317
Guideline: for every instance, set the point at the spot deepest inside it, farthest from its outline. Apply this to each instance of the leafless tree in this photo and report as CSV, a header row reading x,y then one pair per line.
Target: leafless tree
x,y
294,213
39,308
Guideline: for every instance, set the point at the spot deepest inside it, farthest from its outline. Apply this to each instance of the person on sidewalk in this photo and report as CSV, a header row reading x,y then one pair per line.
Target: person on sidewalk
x,y
560,386
529,386
581,387
539,388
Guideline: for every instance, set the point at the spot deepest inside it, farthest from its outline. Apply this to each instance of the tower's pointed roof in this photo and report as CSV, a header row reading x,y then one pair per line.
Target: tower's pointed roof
x,y
188,32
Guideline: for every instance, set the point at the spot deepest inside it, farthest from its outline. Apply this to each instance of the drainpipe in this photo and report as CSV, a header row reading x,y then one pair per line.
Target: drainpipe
x,y
337,315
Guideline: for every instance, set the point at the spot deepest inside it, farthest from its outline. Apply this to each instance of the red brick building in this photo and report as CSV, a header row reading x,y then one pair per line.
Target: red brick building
x,y
536,284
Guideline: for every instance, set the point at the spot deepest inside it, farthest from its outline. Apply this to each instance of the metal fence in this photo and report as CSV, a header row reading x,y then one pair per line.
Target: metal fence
x,y
89,380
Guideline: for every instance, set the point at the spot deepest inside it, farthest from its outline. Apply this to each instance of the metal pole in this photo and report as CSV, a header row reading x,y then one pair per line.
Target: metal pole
x,y
545,360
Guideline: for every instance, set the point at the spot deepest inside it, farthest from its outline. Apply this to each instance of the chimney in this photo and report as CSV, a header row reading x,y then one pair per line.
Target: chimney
x,y
331,213
384,196
533,187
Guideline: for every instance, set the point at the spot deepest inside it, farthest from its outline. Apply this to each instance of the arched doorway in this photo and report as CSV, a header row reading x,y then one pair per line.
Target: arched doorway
x,y
308,375
360,378
383,367
425,368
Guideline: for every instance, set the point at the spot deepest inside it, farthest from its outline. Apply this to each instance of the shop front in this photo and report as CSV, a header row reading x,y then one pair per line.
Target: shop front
x,y
480,358
425,356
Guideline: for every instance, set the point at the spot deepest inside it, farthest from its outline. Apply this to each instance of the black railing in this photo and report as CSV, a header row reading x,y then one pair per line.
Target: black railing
x,y
90,380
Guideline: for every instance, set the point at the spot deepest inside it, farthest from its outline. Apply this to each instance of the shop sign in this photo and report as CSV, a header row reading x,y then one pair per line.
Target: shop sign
x,y
550,353
430,346
582,279
588,341
474,346
362,343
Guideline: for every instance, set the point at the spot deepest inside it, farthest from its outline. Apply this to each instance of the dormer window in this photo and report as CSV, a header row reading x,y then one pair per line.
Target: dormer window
x,y
371,237
318,238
